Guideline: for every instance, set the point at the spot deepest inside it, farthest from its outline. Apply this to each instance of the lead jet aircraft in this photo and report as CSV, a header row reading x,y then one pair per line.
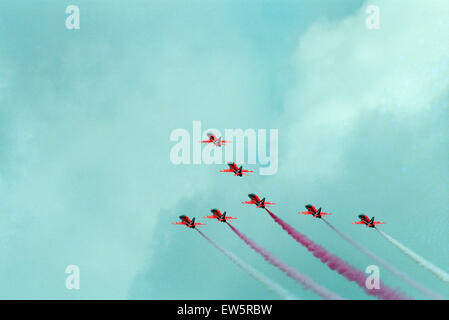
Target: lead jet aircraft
x,y
218,142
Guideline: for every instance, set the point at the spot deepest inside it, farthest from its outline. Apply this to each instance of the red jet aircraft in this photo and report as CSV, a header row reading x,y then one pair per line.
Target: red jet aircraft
x,y
367,222
216,214
237,171
255,200
216,141
314,212
185,220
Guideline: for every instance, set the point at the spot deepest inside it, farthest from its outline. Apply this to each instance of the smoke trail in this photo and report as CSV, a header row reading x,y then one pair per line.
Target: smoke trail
x,y
337,264
272,286
441,274
385,264
289,271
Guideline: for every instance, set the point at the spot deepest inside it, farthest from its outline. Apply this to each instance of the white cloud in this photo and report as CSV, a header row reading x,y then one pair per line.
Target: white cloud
x,y
345,70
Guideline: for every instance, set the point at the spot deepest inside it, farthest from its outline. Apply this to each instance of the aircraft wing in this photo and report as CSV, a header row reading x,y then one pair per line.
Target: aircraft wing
x,y
325,213
358,222
210,217
181,222
305,212
249,202
199,224
243,173
227,170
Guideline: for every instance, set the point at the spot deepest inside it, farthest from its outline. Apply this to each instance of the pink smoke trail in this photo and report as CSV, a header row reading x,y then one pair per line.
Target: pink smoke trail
x,y
289,271
270,285
337,264
385,264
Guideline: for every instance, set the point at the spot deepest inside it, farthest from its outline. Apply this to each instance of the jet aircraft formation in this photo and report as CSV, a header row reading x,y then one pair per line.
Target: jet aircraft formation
x,y
254,199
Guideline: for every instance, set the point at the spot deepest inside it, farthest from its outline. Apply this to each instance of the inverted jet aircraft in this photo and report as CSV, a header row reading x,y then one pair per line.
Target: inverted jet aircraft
x,y
218,142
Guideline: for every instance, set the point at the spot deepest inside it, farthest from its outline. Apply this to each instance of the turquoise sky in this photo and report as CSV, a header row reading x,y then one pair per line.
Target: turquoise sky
x,y
86,115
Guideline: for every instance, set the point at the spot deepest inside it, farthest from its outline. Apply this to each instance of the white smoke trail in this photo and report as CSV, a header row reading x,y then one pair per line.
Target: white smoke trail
x,y
386,265
272,286
441,274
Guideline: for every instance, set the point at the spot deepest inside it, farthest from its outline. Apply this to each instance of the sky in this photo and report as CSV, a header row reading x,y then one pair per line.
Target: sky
x,y
86,116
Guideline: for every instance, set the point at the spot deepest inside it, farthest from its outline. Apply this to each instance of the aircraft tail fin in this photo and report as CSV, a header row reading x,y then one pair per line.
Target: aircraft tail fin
x,y
224,215
372,220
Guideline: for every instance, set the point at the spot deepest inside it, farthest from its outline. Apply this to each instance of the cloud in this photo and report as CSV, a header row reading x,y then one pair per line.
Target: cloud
x,y
345,70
